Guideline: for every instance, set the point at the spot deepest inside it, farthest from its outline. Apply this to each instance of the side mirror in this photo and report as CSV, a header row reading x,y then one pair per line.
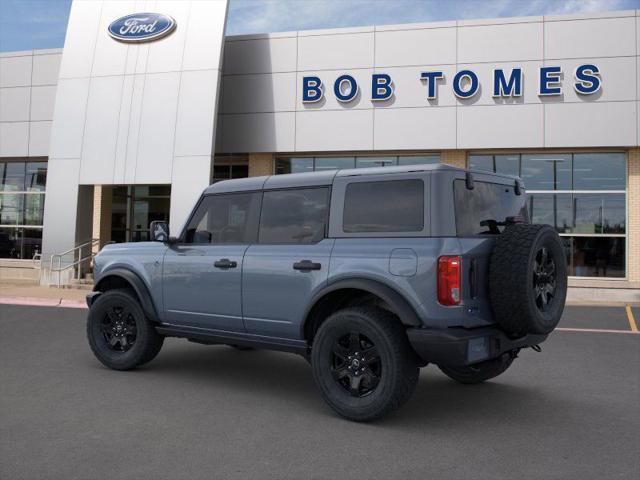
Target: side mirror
x,y
159,231
202,237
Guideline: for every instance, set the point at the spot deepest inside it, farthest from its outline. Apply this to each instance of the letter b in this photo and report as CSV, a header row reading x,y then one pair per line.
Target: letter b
x,y
381,87
311,89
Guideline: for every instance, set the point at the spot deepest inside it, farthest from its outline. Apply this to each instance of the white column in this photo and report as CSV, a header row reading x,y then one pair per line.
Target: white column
x,y
191,175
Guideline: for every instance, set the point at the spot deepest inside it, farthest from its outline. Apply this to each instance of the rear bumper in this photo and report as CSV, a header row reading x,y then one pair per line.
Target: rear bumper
x,y
458,346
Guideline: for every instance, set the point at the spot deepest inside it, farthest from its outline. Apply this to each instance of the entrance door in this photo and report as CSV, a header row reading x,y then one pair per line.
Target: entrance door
x,y
133,209
290,262
202,272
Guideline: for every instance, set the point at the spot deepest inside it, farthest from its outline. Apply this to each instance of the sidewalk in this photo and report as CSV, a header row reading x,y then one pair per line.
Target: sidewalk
x,y
26,294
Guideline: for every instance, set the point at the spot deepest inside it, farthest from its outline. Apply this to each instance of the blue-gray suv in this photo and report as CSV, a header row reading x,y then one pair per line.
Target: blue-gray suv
x,y
370,274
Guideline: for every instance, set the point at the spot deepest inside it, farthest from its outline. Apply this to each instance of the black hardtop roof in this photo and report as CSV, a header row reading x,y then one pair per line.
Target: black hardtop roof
x,y
310,179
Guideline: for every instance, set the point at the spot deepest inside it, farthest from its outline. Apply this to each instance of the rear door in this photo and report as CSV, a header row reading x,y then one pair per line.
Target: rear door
x,y
289,263
203,272
480,215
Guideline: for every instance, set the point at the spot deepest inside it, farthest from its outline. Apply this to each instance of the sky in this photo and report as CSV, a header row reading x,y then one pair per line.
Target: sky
x,y
34,24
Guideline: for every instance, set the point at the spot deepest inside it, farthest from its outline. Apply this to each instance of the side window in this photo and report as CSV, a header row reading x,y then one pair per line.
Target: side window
x,y
294,215
384,206
228,218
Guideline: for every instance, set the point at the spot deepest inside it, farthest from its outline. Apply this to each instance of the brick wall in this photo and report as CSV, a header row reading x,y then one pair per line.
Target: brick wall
x,y
456,158
261,164
102,201
633,227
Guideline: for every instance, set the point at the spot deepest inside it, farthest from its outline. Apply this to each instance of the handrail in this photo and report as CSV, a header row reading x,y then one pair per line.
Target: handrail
x,y
93,241
78,248
37,260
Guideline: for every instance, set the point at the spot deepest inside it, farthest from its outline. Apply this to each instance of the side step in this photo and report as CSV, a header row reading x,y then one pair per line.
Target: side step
x,y
212,337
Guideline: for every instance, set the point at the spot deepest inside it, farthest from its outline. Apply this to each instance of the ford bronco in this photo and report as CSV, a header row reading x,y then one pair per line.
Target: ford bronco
x,y
370,274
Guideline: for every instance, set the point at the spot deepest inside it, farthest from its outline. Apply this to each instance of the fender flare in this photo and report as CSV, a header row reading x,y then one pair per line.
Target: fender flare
x,y
138,285
391,297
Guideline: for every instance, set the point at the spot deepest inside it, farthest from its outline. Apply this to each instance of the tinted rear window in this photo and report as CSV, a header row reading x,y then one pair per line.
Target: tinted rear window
x,y
294,216
385,206
486,202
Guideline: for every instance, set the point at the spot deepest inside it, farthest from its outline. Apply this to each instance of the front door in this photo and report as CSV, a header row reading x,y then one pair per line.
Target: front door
x,y
289,263
203,271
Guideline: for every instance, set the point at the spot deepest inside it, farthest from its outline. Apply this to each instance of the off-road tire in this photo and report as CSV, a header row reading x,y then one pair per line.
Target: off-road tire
x,y
513,281
147,342
480,372
397,362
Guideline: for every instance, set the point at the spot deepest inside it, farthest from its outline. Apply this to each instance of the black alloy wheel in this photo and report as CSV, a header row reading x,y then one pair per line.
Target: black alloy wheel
x,y
356,364
119,333
119,328
544,282
363,364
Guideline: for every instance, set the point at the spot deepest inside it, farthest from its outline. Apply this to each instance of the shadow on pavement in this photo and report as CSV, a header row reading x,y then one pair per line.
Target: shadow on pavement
x,y
437,401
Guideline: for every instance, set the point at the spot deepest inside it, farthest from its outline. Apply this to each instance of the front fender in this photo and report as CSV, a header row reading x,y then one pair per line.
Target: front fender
x,y
137,284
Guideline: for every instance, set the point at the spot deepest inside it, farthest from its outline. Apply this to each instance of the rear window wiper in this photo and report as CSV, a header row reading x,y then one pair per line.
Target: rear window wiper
x,y
494,224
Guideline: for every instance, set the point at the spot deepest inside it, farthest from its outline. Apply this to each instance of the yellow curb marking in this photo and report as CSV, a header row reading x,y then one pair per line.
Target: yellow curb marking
x,y
632,321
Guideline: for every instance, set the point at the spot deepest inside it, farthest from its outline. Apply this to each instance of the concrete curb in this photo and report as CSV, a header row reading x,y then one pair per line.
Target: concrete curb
x,y
43,302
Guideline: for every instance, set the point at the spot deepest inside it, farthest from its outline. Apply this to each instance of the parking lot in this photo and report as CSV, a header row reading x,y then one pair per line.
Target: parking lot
x,y
572,411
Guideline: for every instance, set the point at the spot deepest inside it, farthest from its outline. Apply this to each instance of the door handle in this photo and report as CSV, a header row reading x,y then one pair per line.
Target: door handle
x,y
225,263
306,265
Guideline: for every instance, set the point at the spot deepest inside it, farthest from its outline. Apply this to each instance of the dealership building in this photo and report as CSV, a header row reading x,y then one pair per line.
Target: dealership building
x,y
108,134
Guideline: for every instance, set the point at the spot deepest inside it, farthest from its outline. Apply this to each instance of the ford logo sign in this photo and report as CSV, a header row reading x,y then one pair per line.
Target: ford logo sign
x,y
141,27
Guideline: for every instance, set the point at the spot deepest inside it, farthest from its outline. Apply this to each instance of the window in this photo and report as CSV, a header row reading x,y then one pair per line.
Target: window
x,y
226,172
294,165
222,219
488,202
599,171
419,159
582,195
35,176
22,191
368,162
384,206
294,215
546,172
555,210
333,163
508,164
134,207
595,256
310,164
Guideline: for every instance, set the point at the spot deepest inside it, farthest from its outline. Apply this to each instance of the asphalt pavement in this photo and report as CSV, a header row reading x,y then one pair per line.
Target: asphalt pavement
x,y
208,412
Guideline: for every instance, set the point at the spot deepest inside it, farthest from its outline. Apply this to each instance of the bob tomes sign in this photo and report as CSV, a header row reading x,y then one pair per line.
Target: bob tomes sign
x,y
141,27
465,84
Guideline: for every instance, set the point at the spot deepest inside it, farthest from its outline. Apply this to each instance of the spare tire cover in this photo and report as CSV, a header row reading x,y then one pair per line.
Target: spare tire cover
x,y
528,279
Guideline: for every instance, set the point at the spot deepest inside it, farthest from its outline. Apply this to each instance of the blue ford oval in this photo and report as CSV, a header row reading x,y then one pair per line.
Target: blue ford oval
x,y
141,27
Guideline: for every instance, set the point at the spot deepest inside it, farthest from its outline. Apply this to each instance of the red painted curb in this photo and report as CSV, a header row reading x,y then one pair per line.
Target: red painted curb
x,y
42,302
73,303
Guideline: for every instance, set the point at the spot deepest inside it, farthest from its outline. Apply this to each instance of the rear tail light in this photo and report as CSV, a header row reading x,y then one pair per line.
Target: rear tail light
x,y
449,280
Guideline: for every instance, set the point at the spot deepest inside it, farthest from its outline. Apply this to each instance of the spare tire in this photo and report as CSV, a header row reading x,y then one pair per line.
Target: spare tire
x,y
528,279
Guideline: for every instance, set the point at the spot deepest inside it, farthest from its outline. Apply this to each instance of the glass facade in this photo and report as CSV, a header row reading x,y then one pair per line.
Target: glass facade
x,y
22,193
226,172
582,195
135,207
311,164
